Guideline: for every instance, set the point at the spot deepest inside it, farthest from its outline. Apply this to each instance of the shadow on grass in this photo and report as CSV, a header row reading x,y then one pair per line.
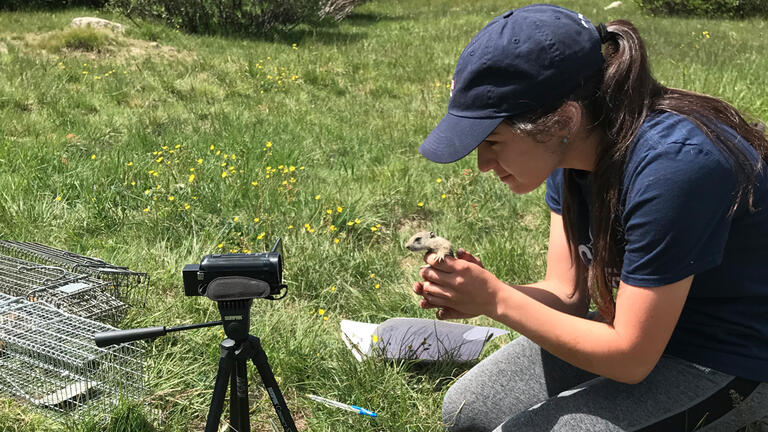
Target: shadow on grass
x,y
368,18
322,34
332,32
441,373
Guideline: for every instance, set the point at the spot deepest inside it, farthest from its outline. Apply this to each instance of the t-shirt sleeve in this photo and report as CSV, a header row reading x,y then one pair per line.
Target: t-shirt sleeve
x,y
554,188
676,214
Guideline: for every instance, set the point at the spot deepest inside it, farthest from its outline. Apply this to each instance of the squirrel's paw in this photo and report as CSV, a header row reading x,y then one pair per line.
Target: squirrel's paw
x,y
440,255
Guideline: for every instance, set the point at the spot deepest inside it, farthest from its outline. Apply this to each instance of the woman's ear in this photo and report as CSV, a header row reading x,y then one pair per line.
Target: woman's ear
x,y
571,112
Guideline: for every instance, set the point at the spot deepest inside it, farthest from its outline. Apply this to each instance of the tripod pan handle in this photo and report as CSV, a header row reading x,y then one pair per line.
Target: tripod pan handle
x,y
119,336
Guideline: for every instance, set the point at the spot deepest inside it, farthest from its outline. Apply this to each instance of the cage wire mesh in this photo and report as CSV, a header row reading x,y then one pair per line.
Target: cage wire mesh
x,y
49,359
75,293
126,285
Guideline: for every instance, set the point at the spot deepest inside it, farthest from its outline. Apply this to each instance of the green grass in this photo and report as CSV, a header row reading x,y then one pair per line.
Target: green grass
x,y
77,39
83,131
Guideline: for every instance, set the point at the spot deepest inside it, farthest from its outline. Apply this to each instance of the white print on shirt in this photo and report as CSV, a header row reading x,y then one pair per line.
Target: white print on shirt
x,y
585,251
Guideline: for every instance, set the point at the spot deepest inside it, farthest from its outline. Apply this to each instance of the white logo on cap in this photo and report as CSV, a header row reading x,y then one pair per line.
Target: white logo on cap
x,y
453,85
584,23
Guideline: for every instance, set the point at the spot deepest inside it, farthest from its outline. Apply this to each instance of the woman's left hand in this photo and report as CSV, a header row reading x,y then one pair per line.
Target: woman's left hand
x,y
460,285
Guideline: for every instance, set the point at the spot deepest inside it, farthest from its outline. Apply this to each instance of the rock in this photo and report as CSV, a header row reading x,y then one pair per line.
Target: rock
x,y
613,5
98,23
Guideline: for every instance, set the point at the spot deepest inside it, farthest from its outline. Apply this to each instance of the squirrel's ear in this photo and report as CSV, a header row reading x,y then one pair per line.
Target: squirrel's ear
x,y
431,234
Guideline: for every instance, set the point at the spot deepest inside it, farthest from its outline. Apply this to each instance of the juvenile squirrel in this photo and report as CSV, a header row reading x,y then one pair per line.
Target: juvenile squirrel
x,y
428,242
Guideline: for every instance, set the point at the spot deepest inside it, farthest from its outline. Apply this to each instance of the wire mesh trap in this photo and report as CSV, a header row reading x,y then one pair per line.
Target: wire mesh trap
x,y
126,285
49,359
78,294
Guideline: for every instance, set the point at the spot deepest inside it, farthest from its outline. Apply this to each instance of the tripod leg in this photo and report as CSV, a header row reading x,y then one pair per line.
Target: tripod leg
x,y
234,407
226,360
259,358
238,408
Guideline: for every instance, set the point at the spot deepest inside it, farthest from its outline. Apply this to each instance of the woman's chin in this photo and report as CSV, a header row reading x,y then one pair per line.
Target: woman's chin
x,y
517,187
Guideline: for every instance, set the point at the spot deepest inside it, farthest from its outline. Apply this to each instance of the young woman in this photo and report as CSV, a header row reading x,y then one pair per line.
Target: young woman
x,y
659,200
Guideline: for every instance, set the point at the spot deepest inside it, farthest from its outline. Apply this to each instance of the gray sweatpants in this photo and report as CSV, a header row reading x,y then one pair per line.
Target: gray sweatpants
x,y
523,388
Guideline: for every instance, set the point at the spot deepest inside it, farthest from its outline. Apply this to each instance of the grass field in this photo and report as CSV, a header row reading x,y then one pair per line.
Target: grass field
x,y
154,149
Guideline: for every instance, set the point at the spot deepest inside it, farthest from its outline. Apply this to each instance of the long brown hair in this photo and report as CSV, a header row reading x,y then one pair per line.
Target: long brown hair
x,y
618,101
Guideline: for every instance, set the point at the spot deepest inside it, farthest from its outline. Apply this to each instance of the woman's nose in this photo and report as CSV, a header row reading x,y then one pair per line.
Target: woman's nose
x,y
484,157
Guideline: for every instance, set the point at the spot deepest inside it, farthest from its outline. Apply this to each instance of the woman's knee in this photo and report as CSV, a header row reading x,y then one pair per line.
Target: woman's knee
x,y
455,399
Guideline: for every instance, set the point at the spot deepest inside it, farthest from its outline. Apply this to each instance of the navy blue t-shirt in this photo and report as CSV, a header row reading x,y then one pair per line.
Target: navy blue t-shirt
x,y
677,191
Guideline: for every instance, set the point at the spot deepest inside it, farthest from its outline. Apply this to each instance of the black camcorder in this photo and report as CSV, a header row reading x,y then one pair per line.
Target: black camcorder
x,y
265,270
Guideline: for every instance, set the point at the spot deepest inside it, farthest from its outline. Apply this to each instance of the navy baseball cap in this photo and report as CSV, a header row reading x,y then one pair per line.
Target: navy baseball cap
x,y
526,59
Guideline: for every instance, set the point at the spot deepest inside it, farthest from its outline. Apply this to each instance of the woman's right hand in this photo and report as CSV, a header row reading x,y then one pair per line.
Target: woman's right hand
x,y
446,312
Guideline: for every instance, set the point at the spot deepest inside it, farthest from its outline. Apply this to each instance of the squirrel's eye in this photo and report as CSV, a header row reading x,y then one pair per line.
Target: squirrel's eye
x,y
418,239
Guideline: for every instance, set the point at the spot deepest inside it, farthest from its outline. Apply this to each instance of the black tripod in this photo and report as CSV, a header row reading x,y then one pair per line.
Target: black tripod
x,y
236,350
234,296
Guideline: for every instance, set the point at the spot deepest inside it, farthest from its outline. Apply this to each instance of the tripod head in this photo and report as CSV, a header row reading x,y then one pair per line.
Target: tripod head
x,y
234,295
